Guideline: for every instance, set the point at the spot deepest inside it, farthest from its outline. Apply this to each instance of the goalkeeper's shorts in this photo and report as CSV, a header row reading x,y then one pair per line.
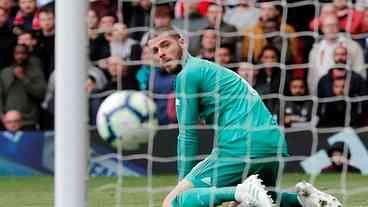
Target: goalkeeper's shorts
x,y
220,172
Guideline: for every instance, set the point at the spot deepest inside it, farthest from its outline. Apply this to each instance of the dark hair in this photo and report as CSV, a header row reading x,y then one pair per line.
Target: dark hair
x,y
209,28
164,10
293,78
339,147
170,31
109,14
47,10
30,32
270,47
338,67
230,48
297,79
278,7
227,46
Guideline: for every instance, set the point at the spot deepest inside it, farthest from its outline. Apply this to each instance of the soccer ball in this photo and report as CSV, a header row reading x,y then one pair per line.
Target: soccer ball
x,y
126,119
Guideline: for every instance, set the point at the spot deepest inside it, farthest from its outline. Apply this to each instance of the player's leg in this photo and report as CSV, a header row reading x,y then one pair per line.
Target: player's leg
x,y
196,189
254,195
268,172
306,194
204,197
214,182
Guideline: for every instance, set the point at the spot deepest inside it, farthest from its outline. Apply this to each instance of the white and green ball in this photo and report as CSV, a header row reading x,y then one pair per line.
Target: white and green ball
x,y
127,118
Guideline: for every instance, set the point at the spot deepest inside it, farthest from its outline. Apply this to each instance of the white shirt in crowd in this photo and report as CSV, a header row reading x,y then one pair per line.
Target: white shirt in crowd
x,y
321,59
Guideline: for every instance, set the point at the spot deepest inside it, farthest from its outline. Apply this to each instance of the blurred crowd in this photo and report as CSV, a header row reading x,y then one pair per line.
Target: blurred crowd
x,y
307,61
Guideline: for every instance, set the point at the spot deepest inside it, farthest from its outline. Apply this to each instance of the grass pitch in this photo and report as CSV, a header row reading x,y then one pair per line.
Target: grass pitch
x,y
38,191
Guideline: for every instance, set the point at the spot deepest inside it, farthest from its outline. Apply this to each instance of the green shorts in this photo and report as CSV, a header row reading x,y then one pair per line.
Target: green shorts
x,y
220,171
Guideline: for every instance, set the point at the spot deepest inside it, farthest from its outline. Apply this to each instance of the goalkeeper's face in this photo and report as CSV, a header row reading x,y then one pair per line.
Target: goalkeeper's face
x,y
168,52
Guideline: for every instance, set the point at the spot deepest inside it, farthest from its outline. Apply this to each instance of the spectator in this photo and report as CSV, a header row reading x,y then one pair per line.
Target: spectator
x,y
117,43
271,26
341,57
224,56
161,83
22,87
100,46
321,57
120,76
363,40
26,18
143,74
106,23
339,155
349,19
121,45
46,40
11,10
182,7
269,21
245,11
162,18
297,113
92,21
95,83
104,7
268,79
208,44
340,82
191,22
141,17
332,114
248,73
7,40
12,121
96,80
28,39
326,10
228,33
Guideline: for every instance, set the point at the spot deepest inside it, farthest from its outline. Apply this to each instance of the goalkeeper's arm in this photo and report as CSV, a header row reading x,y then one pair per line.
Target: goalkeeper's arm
x,y
187,114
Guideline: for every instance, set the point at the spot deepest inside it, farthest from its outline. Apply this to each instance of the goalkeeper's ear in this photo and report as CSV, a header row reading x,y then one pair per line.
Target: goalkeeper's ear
x,y
181,42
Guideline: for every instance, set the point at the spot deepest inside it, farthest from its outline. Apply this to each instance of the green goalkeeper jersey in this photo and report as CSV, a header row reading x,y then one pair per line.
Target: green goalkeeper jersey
x,y
243,125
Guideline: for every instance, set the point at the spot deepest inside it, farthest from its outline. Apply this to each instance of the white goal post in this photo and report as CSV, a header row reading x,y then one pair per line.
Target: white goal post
x,y
71,118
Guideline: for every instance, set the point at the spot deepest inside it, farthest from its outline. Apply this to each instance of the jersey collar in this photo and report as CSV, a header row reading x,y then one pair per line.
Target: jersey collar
x,y
185,58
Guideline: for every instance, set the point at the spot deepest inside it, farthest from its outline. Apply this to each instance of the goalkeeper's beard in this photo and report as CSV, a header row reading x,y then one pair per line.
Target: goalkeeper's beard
x,y
174,66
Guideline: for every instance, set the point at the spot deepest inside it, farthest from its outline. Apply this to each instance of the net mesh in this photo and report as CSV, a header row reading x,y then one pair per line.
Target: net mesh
x,y
289,14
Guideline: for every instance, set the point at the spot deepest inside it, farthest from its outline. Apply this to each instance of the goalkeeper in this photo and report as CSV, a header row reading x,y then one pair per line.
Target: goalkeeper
x,y
247,139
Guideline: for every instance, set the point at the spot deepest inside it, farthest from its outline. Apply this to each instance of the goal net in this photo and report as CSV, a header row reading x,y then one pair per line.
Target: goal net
x,y
305,58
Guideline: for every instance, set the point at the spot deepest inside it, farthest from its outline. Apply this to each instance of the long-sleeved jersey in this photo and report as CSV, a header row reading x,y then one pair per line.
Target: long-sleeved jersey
x,y
243,125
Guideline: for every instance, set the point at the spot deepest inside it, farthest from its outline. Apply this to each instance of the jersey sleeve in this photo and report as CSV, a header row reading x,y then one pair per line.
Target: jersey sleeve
x,y
187,89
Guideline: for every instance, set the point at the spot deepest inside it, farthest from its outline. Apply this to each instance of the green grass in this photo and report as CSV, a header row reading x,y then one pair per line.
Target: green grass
x,y
38,191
